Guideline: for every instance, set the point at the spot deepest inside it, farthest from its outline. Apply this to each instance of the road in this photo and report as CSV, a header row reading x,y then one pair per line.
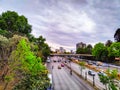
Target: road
x,y
77,68
64,81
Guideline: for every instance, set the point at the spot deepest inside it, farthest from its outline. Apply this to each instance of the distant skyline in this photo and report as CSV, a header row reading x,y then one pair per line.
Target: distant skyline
x,y
64,23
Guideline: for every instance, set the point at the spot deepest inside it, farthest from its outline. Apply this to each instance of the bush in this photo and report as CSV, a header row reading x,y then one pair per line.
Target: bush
x,y
33,82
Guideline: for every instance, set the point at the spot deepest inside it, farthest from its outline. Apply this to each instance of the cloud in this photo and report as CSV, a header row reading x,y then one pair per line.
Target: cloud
x,y
67,22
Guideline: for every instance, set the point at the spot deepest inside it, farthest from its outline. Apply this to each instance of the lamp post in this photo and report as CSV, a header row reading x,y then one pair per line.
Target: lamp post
x,y
86,75
70,68
93,80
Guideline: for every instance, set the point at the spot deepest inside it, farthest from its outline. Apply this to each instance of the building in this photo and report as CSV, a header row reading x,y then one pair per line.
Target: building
x,y
60,50
80,45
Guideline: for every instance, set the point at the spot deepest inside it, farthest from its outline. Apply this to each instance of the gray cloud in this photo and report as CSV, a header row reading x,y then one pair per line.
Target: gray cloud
x,y
67,22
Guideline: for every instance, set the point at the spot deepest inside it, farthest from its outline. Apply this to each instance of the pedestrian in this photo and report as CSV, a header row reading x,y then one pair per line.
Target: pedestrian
x,y
52,66
70,71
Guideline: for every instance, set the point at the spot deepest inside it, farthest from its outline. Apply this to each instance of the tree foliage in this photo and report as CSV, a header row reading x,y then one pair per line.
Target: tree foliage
x,y
14,23
109,79
114,49
99,51
43,48
27,67
86,50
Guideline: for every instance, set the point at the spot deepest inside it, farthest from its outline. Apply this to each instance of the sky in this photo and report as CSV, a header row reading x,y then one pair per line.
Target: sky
x,y
64,23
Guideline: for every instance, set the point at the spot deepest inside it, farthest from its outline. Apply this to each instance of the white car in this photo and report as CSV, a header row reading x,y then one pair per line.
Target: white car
x,y
51,87
48,60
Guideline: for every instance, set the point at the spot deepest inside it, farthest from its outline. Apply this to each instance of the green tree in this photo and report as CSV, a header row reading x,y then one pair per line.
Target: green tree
x,y
99,51
5,33
81,50
114,49
44,49
104,80
112,74
27,68
117,35
14,23
109,79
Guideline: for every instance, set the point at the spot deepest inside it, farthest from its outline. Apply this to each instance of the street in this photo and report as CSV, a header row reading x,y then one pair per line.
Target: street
x,y
63,80
77,68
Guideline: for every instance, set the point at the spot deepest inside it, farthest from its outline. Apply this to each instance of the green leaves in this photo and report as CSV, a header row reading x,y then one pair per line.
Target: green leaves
x,y
26,65
28,62
99,51
104,79
114,49
14,23
109,78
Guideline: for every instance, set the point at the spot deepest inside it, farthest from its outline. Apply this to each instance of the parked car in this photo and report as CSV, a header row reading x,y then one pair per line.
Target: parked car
x,y
90,72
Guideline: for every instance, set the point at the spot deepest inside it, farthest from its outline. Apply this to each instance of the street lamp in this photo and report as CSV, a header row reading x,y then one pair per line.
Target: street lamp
x,y
93,80
86,75
70,68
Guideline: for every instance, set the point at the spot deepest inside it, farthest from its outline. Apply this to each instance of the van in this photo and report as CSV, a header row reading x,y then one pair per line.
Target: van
x,y
51,86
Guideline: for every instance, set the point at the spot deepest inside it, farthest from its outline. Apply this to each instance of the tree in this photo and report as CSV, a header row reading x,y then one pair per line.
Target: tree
x,y
4,46
108,43
14,23
104,80
114,49
99,51
5,33
89,49
44,49
4,53
117,35
26,68
112,74
81,51
109,79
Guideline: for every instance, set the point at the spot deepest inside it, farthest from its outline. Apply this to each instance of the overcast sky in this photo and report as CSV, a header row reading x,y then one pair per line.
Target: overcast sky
x,y
66,22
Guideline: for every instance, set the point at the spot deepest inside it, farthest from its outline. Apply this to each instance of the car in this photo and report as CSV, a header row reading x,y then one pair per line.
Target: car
x,y
90,72
59,67
54,60
101,73
62,65
65,61
51,86
48,60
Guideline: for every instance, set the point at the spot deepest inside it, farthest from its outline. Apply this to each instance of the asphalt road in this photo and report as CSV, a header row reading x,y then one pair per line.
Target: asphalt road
x,y
77,68
63,80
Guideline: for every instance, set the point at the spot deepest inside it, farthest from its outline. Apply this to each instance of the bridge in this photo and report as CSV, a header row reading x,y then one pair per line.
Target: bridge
x,y
86,55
